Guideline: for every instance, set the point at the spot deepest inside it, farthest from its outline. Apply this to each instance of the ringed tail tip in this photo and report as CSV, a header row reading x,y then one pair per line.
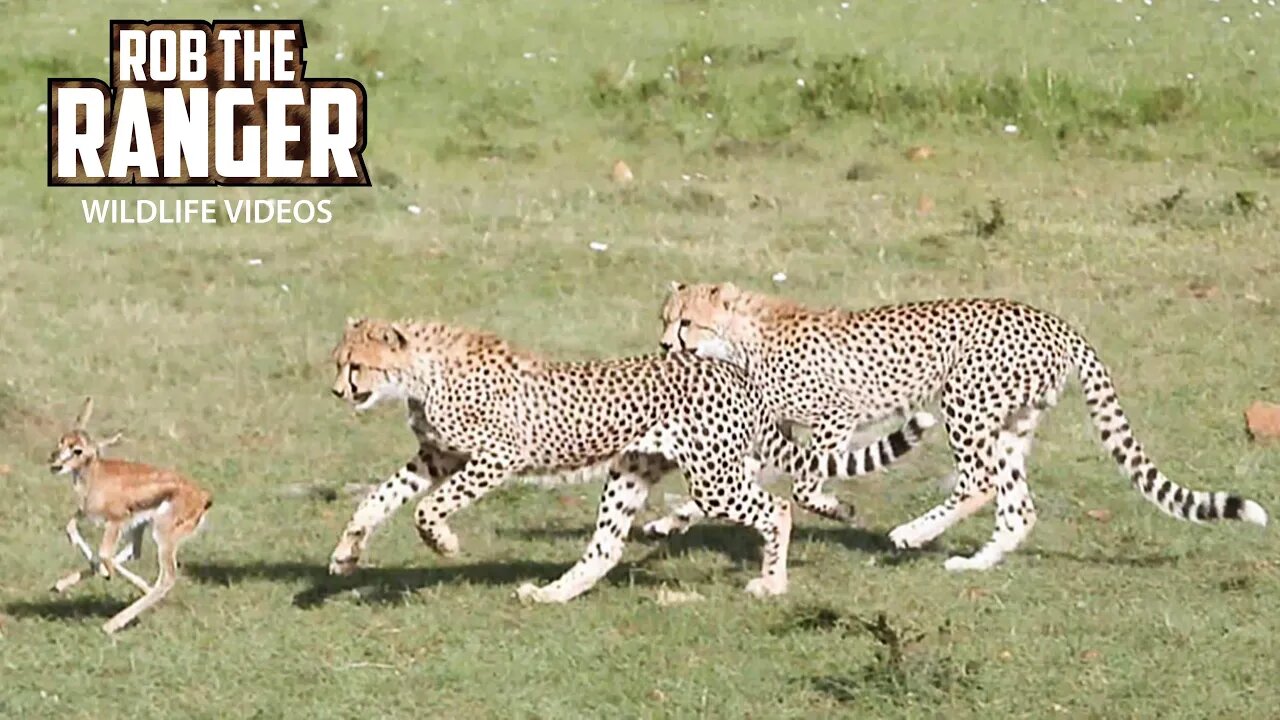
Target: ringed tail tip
x,y
924,420
1254,513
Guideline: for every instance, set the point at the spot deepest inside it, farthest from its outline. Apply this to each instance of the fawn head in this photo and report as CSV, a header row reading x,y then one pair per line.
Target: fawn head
x,y
76,448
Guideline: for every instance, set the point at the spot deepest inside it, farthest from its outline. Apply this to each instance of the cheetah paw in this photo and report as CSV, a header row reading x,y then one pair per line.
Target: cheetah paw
x,y
444,545
529,593
343,566
766,587
959,563
663,527
905,537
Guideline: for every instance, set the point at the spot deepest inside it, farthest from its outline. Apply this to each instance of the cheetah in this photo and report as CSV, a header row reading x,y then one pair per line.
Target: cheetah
x,y
484,410
996,365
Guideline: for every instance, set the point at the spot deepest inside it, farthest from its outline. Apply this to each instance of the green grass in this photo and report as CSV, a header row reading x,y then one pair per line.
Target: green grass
x,y
207,363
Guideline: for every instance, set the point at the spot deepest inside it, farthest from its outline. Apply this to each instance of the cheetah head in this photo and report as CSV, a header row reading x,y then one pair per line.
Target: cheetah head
x,y
369,360
710,319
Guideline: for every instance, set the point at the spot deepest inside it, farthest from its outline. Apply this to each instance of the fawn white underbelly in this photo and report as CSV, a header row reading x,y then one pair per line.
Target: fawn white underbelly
x,y
142,517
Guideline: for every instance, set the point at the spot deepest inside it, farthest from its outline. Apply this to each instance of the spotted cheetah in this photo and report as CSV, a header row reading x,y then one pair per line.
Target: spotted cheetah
x,y
484,410
995,364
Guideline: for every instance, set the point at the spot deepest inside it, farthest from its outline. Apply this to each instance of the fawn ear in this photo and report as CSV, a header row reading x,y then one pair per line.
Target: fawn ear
x,y
675,286
82,420
109,441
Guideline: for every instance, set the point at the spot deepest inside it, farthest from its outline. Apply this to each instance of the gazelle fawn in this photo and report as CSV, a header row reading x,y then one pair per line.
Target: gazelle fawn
x,y
125,497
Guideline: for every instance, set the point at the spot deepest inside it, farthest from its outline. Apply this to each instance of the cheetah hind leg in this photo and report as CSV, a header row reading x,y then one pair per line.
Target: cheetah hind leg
x,y
747,503
630,477
677,522
688,513
1015,511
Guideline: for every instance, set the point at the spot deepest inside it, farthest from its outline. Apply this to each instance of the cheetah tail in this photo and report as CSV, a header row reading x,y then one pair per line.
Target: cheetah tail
x,y
886,450
1104,409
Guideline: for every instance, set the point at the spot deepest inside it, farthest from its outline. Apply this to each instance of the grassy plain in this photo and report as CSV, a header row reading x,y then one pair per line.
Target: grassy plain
x,y
765,138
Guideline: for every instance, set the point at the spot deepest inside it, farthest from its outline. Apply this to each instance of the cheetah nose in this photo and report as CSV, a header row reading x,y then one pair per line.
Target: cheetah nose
x,y
336,392
666,346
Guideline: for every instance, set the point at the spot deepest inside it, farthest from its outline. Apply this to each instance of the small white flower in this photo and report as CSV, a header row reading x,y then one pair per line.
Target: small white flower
x,y
844,6
106,60
706,59
284,287
1137,18
386,8
799,82
1191,76
779,277
71,31
339,56
1011,129
42,108
598,246
414,210
530,55
379,74
710,115
1226,19
1146,2
257,8
255,261
1257,14
686,178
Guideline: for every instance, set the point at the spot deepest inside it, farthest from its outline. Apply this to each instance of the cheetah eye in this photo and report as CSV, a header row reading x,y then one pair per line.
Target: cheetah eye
x,y
78,451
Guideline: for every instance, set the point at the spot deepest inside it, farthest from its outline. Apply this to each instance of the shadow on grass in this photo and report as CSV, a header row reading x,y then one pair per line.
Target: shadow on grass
x,y
742,544
1149,560
372,585
64,608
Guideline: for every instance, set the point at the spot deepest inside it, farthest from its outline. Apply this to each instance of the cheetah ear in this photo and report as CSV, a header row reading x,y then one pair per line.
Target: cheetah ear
x,y
86,411
392,336
353,322
727,293
675,286
402,337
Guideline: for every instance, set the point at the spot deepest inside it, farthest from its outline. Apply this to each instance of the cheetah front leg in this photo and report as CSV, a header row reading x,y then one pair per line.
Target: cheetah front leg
x,y
630,477
382,502
477,477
